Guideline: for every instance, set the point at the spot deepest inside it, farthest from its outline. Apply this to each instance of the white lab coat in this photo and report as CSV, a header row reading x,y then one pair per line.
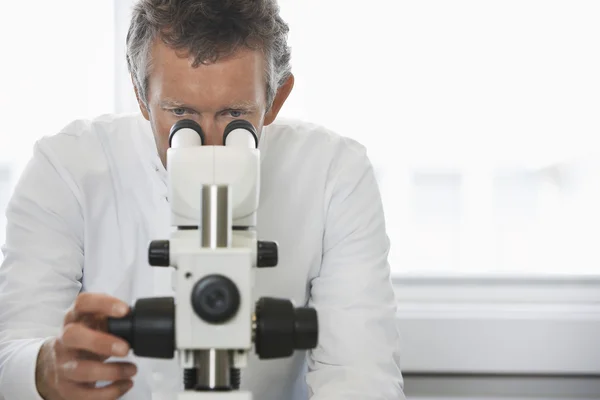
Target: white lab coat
x,y
94,195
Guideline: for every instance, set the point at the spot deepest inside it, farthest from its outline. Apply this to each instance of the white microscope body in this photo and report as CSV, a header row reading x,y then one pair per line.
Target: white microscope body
x,y
212,322
218,187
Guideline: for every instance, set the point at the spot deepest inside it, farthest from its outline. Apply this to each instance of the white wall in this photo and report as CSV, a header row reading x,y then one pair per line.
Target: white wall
x,y
57,65
124,94
59,59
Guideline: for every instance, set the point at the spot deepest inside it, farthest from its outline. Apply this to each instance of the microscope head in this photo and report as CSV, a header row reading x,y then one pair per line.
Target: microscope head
x,y
192,165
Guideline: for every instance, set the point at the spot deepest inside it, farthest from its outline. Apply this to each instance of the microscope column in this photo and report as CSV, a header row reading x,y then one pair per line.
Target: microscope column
x,y
214,370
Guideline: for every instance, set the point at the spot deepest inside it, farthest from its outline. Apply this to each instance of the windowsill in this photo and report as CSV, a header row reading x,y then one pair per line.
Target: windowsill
x,y
504,325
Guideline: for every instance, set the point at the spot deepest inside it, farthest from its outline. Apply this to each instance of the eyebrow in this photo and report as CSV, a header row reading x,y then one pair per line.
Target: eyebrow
x,y
242,105
172,103
238,105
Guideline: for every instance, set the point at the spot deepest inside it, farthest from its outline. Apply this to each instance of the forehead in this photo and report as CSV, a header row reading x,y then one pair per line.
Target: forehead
x,y
238,77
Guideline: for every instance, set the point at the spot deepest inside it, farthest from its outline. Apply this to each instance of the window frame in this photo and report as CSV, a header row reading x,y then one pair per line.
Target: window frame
x,y
499,325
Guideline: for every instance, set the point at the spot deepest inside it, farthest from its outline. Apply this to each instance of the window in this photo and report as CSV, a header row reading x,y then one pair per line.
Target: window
x,y
58,65
481,119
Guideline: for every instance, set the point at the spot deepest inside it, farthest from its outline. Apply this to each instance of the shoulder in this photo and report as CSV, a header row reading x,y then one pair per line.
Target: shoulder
x,y
87,145
84,137
108,154
312,141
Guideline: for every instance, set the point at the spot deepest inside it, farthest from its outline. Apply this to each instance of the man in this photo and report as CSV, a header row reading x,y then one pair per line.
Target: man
x,y
94,195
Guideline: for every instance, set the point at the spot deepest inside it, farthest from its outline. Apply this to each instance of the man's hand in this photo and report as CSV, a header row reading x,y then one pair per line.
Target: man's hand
x,y
69,366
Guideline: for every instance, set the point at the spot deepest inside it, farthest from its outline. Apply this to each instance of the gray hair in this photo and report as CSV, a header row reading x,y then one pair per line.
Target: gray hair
x,y
208,30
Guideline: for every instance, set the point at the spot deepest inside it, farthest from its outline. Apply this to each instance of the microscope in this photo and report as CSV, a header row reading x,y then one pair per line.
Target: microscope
x,y
212,322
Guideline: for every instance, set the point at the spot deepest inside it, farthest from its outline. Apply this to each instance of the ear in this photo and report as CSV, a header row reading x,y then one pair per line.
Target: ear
x,y
141,104
280,97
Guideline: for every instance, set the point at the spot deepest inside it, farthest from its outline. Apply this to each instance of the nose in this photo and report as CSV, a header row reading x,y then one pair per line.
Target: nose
x,y
212,132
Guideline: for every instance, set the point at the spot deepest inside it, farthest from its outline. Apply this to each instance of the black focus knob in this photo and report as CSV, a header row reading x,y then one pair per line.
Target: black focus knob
x,y
215,299
267,254
149,328
158,253
281,328
306,329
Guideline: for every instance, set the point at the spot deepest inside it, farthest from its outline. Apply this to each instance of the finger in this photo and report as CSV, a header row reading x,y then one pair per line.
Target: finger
x,y
86,355
111,392
94,321
98,303
68,360
79,337
82,371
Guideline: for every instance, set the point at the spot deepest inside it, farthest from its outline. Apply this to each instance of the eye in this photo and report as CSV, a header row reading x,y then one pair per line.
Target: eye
x,y
179,112
236,113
